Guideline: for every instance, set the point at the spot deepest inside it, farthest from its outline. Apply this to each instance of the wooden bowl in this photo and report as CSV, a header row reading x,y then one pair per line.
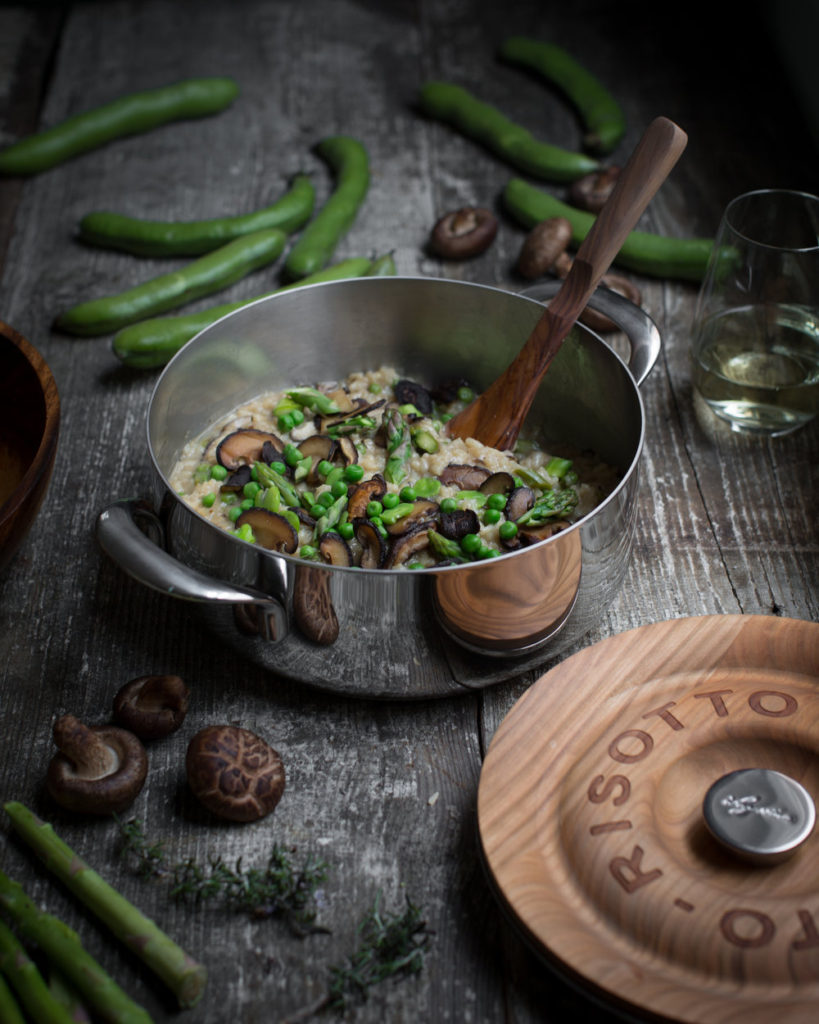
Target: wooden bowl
x,y
29,428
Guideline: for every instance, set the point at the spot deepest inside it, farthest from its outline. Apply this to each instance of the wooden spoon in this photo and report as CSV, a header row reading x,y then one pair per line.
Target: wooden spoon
x,y
496,416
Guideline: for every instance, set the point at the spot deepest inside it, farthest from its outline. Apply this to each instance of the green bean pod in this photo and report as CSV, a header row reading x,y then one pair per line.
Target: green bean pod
x,y
194,237
151,343
642,252
208,274
513,143
382,266
350,163
602,116
129,115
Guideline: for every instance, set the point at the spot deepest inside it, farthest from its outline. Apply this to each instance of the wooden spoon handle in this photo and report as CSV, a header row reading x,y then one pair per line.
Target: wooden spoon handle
x,y
496,416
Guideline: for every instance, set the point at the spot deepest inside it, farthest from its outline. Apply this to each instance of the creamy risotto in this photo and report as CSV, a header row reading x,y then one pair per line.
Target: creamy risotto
x,y
361,473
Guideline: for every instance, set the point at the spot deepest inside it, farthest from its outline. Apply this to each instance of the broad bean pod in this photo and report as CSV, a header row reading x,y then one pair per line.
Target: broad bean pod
x,y
602,116
642,252
151,343
204,276
350,163
485,124
194,237
129,115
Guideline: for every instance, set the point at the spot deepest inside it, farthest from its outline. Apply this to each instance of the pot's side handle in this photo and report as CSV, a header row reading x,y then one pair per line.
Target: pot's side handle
x,y
136,554
642,332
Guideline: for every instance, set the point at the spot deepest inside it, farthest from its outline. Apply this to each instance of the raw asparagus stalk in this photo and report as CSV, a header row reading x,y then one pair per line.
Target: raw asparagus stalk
x,y
63,946
32,991
66,995
10,1012
183,975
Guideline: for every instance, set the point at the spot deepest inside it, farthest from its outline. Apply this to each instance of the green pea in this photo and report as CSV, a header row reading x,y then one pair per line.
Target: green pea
x,y
354,473
292,456
346,530
309,552
349,161
374,388
407,493
286,422
278,467
471,543
496,501
246,504
491,516
251,489
203,276
326,498
338,488
374,509
194,237
317,511
324,467
507,530
128,115
298,417
208,500
218,472
245,532
390,500
465,394
449,505
235,512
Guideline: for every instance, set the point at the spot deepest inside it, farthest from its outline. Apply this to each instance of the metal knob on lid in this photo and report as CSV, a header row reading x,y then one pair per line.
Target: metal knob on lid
x,y
759,814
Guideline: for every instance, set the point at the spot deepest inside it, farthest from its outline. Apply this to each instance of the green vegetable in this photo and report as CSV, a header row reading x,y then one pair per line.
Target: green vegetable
x,y
644,253
558,467
63,947
399,448
269,477
10,1012
129,115
151,344
513,143
194,237
32,991
382,266
183,975
313,399
314,249
444,547
391,515
602,116
204,276
549,505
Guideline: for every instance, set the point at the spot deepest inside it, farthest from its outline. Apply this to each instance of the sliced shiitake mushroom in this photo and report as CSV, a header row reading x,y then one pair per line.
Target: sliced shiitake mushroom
x,y
423,512
498,483
519,501
361,407
408,392
534,534
244,447
460,522
348,451
462,233
236,481
372,546
318,447
404,547
368,490
271,530
468,478
447,391
334,549
152,706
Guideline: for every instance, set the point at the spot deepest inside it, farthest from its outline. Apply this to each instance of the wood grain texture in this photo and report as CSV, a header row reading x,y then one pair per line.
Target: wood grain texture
x,y
590,814
386,793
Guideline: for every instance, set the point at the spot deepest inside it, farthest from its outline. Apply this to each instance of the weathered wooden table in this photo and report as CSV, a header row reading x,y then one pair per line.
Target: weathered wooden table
x,y
384,792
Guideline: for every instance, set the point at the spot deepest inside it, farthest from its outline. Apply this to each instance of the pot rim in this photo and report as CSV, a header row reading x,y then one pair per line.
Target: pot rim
x,y
400,572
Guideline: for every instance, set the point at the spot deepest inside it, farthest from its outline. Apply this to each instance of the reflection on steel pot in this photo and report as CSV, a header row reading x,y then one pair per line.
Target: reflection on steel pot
x,y
393,633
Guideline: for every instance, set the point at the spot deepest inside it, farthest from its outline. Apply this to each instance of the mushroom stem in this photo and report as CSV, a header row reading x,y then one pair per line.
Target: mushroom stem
x,y
90,755
184,976
63,947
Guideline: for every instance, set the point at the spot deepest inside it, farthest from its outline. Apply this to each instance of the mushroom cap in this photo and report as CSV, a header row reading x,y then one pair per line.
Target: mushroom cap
x,y
152,706
100,769
234,773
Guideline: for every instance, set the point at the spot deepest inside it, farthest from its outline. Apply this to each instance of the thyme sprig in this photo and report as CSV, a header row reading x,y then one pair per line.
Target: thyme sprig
x,y
390,945
278,889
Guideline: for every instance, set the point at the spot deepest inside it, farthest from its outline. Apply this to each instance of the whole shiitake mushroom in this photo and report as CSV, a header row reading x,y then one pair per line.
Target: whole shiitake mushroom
x,y
234,773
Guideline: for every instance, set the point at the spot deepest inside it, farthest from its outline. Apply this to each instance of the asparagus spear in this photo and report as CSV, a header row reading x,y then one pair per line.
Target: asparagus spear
x,y
399,448
10,1012
184,976
28,983
63,946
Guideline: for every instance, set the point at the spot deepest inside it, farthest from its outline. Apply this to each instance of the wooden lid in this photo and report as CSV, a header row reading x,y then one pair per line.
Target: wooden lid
x,y
590,810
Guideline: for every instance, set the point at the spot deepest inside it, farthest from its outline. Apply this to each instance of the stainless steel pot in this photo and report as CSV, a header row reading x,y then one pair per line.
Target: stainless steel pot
x,y
392,633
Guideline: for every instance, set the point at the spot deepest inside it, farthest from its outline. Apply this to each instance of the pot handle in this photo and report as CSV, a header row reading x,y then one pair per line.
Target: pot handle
x,y
642,332
142,559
